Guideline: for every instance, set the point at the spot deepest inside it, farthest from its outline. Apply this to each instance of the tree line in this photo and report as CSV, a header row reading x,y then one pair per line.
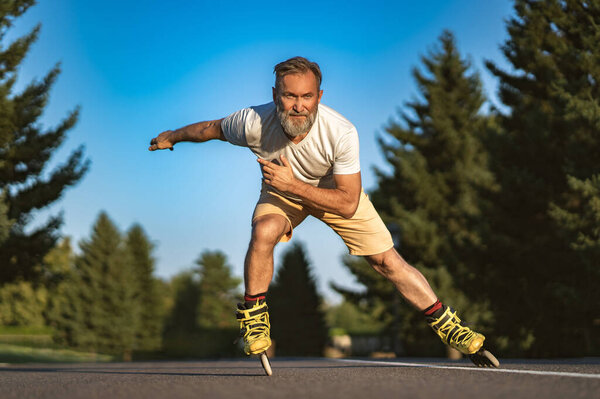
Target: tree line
x,y
499,207
501,210
106,299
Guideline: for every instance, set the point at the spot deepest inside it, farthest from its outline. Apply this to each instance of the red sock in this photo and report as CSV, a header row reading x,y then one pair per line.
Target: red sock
x,y
256,297
433,308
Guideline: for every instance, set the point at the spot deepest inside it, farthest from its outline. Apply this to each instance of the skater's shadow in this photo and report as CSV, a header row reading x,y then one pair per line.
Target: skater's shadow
x,y
209,371
258,372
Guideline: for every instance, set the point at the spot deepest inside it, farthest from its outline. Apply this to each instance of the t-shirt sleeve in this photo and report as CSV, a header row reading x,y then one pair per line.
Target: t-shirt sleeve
x,y
235,126
347,160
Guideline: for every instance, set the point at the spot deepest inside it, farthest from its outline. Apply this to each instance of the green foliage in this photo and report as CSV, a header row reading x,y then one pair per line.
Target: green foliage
x,y
149,323
201,321
439,165
297,319
100,312
218,291
25,305
579,224
545,158
58,266
183,315
22,304
581,220
432,198
5,223
25,149
379,296
349,318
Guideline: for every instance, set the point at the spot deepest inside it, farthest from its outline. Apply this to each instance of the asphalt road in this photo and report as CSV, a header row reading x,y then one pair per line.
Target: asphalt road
x,y
304,378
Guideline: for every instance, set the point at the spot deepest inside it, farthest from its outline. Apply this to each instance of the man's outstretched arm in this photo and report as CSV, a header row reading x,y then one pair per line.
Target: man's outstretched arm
x,y
196,132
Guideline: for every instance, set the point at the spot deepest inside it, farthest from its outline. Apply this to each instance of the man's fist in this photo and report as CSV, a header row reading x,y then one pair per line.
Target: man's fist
x,y
279,176
162,141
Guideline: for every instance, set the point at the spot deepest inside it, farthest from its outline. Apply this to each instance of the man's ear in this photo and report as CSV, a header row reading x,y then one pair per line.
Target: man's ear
x,y
274,94
320,95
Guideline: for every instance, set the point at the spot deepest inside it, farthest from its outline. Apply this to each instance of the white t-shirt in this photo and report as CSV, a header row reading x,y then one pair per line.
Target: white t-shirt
x,y
330,147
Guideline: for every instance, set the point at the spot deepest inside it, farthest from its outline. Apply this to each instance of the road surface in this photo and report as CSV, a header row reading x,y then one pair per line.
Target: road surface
x,y
304,378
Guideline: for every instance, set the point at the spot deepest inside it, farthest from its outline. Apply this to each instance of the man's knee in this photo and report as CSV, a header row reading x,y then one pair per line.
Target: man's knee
x,y
268,229
384,262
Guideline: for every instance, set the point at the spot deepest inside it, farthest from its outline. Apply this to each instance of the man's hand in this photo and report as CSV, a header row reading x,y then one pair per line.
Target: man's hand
x,y
162,141
278,176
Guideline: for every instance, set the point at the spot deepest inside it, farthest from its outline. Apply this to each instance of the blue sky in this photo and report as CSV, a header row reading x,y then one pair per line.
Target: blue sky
x,y
137,68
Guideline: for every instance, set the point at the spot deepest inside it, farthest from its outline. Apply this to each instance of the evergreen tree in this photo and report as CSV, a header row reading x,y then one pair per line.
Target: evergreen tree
x,y
5,222
25,148
33,304
58,267
349,318
546,160
218,291
183,315
580,227
101,310
57,263
147,298
432,199
295,307
22,304
380,298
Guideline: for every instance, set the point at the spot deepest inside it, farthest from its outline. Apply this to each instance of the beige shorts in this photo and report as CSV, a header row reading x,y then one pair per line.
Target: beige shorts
x,y
364,233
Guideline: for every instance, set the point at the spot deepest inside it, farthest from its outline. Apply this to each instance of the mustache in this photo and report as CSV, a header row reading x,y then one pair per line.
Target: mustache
x,y
294,113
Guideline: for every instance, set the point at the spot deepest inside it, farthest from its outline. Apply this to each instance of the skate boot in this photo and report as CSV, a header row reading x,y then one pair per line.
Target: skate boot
x,y
255,328
457,335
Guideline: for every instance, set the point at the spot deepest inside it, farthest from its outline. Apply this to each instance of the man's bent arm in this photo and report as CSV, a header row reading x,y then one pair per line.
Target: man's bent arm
x,y
196,132
342,200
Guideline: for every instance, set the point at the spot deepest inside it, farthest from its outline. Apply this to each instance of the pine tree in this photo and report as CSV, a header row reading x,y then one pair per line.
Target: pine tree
x,y
22,304
218,291
101,310
34,304
182,317
579,224
5,222
348,318
147,298
295,307
432,199
25,148
58,266
546,161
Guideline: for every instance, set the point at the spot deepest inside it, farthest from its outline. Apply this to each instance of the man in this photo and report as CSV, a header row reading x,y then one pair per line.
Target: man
x,y
309,158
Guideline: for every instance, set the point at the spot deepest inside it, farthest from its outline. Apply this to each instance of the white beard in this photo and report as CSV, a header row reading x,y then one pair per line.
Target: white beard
x,y
292,128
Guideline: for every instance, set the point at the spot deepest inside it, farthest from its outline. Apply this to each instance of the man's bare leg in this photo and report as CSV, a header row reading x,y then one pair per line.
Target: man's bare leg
x,y
267,230
411,284
253,314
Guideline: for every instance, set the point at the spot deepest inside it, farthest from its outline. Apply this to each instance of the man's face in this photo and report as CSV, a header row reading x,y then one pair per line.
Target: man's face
x,y
297,100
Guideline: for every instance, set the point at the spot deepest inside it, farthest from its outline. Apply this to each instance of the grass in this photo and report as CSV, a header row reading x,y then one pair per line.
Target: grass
x,y
35,345
25,330
24,354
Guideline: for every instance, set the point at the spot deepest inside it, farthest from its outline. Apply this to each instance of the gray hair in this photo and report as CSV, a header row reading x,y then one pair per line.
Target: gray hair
x,y
296,65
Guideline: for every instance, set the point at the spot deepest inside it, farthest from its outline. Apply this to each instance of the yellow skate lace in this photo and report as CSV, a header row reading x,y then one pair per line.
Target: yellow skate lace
x,y
254,322
451,330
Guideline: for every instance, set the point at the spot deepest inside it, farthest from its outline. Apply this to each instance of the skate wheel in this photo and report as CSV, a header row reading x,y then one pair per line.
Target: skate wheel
x,y
484,358
264,360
